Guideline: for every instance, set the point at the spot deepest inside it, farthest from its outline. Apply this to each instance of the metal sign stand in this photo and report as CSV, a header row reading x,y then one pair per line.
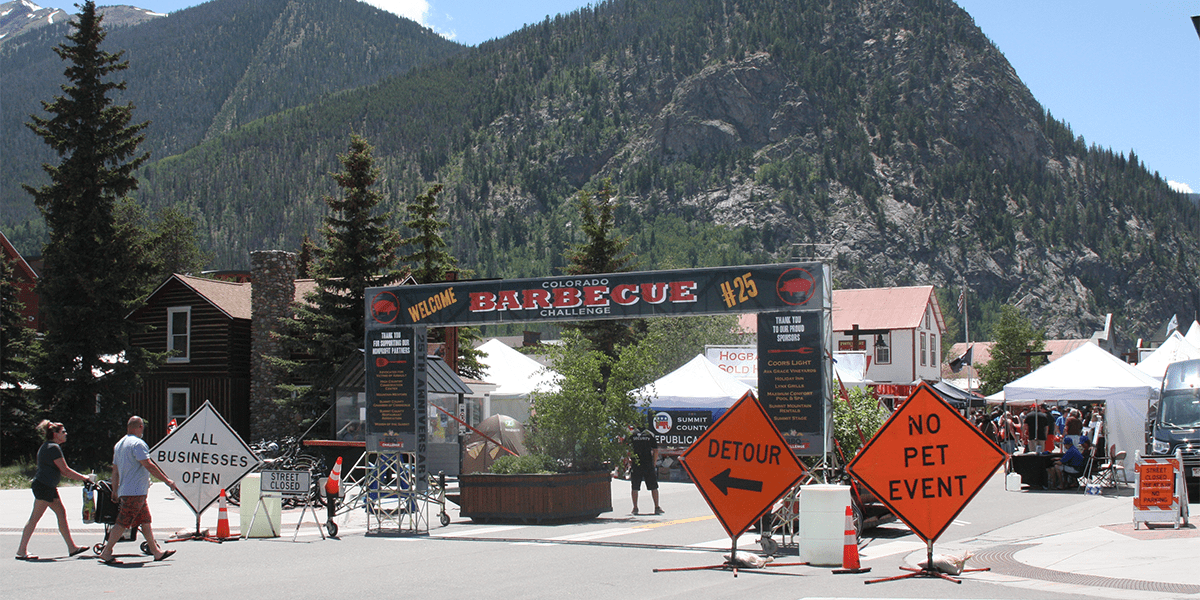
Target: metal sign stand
x,y
733,564
928,572
391,496
200,535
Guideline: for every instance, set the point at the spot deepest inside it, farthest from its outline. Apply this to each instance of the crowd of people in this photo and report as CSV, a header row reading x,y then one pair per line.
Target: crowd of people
x,y
1073,435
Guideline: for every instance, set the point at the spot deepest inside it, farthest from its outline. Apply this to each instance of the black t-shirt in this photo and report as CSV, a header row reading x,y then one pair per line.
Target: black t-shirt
x,y
1037,421
644,443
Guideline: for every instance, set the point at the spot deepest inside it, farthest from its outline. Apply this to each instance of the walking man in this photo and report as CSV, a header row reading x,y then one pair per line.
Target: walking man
x,y
132,468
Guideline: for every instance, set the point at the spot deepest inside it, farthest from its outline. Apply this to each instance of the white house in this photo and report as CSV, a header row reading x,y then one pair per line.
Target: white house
x,y
899,328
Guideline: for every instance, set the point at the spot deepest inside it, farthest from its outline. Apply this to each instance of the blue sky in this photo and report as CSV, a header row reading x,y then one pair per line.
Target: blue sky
x,y
1123,74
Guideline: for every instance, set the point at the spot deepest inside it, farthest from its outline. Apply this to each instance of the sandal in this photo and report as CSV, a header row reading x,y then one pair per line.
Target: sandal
x,y
25,557
78,551
165,555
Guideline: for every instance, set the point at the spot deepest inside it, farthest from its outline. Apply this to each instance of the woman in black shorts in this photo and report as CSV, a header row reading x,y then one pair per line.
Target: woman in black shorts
x,y
51,467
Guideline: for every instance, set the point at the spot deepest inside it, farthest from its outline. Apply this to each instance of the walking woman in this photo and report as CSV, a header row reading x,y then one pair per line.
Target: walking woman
x,y
51,467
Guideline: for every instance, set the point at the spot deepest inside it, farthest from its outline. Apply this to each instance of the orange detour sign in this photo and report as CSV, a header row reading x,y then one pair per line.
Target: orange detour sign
x,y
926,463
742,465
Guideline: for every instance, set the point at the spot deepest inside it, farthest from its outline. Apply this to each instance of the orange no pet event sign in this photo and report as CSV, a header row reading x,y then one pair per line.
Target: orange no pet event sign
x,y
742,465
926,463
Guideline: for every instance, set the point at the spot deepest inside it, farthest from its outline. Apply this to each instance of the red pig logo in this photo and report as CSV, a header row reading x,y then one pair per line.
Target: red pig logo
x,y
384,308
795,286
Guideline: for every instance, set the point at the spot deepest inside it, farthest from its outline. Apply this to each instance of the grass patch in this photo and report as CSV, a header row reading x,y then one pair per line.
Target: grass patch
x,y
16,475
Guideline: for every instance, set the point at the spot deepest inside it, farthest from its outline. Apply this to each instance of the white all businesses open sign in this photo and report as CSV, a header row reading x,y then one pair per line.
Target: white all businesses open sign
x,y
204,455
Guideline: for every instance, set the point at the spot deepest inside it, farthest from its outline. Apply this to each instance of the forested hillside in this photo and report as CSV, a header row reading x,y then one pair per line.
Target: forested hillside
x,y
205,70
891,131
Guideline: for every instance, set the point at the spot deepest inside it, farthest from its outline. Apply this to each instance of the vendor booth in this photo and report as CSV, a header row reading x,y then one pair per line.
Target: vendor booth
x,y
1174,349
516,376
1089,374
684,403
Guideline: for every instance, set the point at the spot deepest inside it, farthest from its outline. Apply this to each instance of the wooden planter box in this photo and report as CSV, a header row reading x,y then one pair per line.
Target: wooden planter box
x,y
535,498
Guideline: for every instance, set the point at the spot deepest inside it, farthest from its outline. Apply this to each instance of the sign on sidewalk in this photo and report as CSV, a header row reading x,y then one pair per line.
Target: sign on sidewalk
x,y
926,463
742,465
1161,491
204,455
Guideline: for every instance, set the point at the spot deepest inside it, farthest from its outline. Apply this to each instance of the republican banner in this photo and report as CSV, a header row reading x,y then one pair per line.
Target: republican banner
x,y
741,289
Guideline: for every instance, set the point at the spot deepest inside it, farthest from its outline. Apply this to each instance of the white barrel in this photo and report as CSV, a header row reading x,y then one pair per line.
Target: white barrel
x,y
248,503
823,523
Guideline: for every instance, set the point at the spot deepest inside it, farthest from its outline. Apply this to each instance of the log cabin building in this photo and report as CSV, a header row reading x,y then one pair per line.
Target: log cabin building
x,y
217,332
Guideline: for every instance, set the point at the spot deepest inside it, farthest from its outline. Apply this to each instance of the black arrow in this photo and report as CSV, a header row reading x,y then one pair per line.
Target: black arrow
x,y
724,481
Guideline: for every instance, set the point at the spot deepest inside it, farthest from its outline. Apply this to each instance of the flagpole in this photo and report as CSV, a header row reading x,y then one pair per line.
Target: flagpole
x,y
967,332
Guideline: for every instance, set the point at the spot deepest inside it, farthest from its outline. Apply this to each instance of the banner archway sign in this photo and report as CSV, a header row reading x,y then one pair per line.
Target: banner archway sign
x,y
792,300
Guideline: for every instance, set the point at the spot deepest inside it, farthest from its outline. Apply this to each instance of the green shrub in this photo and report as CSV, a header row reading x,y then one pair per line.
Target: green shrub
x,y
523,465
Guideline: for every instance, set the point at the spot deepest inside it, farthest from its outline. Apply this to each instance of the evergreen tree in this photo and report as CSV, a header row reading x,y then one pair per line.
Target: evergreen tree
x,y
432,262
95,266
360,252
1014,336
602,252
174,245
18,347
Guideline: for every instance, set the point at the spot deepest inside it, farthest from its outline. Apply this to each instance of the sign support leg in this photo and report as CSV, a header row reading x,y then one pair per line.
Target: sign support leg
x,y
196,536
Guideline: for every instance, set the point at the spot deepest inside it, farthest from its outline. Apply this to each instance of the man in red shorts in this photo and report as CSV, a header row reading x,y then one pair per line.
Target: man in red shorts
x,y
131,473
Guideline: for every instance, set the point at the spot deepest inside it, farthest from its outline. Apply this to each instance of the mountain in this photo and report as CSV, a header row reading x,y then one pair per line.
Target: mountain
x,y
891,135
21,16
199,72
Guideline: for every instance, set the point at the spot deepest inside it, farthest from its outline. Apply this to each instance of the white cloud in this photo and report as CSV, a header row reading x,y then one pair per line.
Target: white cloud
x,y
417,10
1179,186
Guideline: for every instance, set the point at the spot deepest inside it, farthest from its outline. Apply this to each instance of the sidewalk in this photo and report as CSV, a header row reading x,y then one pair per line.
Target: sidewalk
x,y
1089,547
1092,548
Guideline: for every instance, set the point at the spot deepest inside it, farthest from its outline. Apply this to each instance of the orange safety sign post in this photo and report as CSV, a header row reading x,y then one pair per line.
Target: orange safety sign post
x,y
1161,490
742,466
926,463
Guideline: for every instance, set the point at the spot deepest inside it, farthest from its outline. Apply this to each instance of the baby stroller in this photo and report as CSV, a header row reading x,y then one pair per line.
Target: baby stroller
x,y
106,513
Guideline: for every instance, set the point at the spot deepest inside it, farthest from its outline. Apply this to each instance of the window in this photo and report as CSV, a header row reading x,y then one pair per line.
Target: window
x,y
923,350
883,350
179,404
179,333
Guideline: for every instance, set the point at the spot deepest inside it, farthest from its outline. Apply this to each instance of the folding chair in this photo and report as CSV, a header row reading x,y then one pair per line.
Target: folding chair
x,y
1112,472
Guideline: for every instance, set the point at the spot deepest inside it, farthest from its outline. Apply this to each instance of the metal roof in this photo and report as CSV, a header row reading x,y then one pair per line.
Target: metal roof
x,y
439,378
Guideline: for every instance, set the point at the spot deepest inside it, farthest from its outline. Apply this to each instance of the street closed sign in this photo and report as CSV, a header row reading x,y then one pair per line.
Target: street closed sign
x,y
742,465
203,456
926,463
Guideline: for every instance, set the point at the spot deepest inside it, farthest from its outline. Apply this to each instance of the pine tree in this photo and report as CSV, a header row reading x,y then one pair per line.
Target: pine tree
x,y
432,263
603,252
360,252
1014,336
95,266
18,348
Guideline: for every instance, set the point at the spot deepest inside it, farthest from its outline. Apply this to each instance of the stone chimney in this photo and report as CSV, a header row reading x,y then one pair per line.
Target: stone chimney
x,y
273,289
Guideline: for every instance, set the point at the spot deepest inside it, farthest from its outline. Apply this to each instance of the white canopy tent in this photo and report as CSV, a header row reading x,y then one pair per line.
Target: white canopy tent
x,y
1174,349
1193,334
515,375
1090,374
698,384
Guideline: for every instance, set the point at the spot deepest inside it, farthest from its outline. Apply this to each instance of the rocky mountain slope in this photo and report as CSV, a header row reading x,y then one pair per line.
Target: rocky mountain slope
x,y
890,135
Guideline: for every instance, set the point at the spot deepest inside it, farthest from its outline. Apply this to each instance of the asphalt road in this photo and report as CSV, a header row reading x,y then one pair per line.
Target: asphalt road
x,y
615,555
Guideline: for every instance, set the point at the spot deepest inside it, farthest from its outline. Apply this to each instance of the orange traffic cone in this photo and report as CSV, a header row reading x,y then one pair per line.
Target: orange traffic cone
x,y
223,518
850,548
332,486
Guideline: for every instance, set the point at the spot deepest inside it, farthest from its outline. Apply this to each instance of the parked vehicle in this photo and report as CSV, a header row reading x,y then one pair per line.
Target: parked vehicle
x,y
1173,422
